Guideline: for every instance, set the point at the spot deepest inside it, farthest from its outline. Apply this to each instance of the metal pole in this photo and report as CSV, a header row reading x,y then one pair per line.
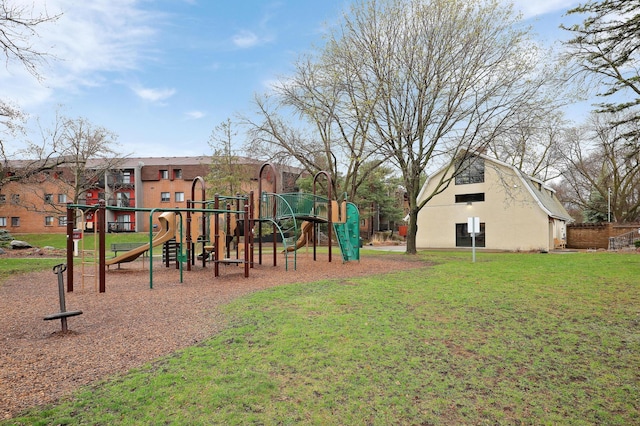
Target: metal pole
x,y
70,225
59,270
473,246
102,253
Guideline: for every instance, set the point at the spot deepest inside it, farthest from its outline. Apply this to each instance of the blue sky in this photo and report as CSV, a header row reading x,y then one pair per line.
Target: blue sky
x,y
162,74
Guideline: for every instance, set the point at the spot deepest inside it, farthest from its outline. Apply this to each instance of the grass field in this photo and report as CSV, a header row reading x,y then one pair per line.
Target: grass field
x,y
511,339
59,241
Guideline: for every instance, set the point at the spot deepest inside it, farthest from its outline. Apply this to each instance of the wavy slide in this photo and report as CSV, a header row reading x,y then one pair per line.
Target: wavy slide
x,y
167,231
305,236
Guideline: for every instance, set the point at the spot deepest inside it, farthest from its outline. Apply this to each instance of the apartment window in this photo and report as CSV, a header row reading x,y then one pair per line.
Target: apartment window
x,y
3,222
15,198
179,197
177,173
164,174
470,170
62,198
126,177
165,197
122,199
62,221
48,198
470,198
3,199
463,238
15,221
48,221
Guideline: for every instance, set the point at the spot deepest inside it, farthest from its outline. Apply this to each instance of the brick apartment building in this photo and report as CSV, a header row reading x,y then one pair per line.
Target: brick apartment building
x,y
38,204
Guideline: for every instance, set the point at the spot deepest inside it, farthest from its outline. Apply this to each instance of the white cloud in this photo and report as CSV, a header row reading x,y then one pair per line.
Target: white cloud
x,y
245,39
89,39
195,115
153,95
533,8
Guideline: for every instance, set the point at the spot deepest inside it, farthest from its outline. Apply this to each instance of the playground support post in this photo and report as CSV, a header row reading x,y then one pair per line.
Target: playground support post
x,y
275,189
216,236
251,224
329,212
70,226
188,236
101,246
246,240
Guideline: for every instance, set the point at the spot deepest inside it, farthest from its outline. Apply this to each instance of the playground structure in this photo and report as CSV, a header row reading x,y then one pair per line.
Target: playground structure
x,y
231,220
284,211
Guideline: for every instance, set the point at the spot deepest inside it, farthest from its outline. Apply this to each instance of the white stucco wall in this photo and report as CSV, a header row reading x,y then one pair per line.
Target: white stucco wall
x,y
513,219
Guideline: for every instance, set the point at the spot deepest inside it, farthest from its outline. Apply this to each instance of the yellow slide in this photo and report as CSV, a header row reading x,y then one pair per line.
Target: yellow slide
x,y
305,236
167,231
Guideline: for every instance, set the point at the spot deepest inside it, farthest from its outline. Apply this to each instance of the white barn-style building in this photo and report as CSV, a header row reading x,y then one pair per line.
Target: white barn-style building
x,y
517,212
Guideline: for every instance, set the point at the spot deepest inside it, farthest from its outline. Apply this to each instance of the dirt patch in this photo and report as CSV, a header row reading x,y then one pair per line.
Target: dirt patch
x,y
31,252
131,324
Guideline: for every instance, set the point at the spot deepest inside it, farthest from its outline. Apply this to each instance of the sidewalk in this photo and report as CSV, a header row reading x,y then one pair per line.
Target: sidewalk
x,y
398,248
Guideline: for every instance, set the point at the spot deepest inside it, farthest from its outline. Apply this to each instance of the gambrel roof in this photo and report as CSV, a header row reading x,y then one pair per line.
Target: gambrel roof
x,y
543,194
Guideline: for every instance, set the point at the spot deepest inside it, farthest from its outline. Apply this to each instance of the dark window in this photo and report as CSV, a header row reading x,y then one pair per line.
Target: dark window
x,y
15,221
48,198
470,170
463,238
164,174
177,173
470,198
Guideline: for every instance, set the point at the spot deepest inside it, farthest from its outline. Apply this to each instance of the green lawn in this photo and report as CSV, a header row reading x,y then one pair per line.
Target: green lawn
x,y
511,339
59,241
10,266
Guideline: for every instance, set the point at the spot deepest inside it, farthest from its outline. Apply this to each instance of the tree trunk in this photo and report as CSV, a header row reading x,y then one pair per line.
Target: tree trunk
x,y
412,230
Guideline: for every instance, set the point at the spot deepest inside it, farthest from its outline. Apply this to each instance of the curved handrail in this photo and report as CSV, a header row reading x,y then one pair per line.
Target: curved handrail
x,y
294,205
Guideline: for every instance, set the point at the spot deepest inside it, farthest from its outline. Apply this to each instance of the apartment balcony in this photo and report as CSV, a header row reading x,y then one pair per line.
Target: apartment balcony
x,y
121,226
124,202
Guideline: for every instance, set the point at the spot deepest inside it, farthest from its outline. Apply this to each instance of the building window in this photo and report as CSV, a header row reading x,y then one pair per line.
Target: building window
x,y
15,198
62,221
179,197
62,198
165,197
164,174
15,221
3,199
122,199
470,198
177,173
463,238
48,198
126,177
3,222
470,170
48,221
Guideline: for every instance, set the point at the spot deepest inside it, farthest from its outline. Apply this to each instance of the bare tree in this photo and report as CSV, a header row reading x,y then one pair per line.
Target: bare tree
x,y
602,166
534,144
334,130
19,25
437,79
227,171
77,154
